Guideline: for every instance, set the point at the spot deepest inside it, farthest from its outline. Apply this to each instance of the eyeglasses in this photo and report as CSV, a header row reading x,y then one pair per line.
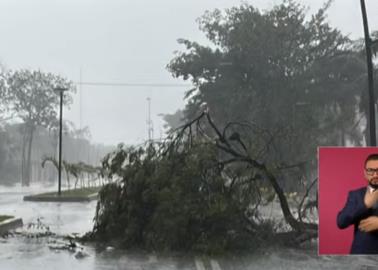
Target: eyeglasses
x,y
371,171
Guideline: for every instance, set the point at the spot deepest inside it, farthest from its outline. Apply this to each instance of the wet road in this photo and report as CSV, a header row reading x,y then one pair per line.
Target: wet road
x,y
32,253
21,252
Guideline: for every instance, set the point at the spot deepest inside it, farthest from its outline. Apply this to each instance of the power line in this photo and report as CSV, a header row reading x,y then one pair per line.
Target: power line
x,y
133,84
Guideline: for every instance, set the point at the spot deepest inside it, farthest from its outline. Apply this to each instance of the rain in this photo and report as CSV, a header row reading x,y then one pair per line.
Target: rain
x,y
176,134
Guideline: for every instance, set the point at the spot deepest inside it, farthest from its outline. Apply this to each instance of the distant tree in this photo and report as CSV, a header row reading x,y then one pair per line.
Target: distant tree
x,y
33,100
5,112
9,148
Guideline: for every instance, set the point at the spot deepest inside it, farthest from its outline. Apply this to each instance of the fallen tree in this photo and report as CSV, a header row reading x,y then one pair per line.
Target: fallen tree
x,y
198,190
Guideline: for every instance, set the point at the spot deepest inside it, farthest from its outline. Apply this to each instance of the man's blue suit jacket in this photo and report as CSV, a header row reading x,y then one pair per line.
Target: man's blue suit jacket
x,y
352,213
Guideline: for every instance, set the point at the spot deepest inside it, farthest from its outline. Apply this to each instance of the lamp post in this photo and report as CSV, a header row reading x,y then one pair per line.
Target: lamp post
x,y
60,91
369,61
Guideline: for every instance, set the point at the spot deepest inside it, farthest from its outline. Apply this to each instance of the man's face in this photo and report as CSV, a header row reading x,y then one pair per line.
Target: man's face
x,y
371,172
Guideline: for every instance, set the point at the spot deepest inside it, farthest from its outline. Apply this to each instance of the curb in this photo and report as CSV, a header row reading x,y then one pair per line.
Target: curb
x,y
36,198
93,196
10,224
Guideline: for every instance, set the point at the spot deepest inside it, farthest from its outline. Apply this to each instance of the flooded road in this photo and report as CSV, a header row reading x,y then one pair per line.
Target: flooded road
x,y
29,252
32,253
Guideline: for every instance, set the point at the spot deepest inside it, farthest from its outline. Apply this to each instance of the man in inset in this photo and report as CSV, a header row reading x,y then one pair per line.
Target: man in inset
x,y
361,210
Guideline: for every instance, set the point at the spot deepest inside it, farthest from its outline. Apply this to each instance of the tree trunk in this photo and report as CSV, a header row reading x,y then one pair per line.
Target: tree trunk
x,y
23,157
28,161
67,176
294,223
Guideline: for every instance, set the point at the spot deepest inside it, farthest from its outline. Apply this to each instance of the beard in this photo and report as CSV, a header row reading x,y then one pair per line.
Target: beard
x,y
372,184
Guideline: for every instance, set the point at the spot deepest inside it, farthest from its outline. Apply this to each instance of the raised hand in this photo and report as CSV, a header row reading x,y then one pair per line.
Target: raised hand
x,y
369,224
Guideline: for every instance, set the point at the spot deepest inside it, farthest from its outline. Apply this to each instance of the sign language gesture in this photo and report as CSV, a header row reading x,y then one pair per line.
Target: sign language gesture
x,y
369,224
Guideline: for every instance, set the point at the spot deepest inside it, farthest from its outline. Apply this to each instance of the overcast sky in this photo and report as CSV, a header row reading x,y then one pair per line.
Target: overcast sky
x,y
128,42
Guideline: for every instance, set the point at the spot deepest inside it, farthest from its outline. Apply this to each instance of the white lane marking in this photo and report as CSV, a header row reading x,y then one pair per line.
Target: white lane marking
x,y
199,264
215,265
152,259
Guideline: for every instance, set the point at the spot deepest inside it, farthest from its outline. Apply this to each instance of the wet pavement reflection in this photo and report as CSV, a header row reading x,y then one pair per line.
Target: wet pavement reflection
x,y
29,251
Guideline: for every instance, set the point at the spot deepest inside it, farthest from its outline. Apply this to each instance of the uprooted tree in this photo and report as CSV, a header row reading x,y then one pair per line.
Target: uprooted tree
x,y
201,190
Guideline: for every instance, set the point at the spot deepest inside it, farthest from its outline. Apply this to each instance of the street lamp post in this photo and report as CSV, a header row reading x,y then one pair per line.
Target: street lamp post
x,y
60,90
369,61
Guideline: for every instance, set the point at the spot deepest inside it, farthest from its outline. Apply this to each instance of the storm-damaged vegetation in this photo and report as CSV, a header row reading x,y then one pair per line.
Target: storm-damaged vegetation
x,y
271,87
80,172
200,190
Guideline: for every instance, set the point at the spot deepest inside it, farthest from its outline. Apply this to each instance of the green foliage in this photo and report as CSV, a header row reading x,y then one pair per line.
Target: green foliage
x,y
278,86
180,200
4,217
299,79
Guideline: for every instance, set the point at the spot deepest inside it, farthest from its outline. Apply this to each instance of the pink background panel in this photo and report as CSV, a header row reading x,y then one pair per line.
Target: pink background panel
x,y
340,170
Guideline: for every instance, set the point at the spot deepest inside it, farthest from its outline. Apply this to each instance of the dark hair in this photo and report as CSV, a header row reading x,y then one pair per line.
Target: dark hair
x,y
371,157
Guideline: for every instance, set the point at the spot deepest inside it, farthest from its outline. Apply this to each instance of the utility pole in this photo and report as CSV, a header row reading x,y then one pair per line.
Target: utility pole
x,y
150,128
81,98
60,91
369,61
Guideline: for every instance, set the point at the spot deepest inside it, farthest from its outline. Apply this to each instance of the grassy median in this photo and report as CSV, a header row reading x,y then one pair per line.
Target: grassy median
x,y
79,192
4,217
72,195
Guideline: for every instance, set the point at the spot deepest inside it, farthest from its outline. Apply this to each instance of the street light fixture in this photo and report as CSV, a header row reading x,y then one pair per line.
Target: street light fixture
x,y
60,91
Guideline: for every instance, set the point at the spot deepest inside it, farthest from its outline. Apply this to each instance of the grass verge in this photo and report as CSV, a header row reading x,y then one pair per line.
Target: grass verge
x,y
80,192
5,217
72,195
